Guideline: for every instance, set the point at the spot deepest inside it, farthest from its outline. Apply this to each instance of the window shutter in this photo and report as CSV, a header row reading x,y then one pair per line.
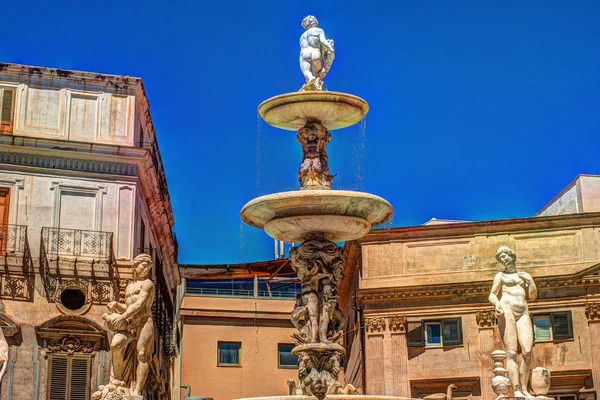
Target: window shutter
x,y
80,371
6,112
58,378
452,337
562,325
414,334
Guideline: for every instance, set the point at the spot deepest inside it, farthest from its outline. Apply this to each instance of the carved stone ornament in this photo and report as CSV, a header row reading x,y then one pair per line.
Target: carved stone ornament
x,y
70,344
592,312
376,324
486,319
397,324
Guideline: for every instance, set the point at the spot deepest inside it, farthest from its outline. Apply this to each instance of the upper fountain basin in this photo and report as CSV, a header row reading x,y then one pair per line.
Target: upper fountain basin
x,y
334,110
336,215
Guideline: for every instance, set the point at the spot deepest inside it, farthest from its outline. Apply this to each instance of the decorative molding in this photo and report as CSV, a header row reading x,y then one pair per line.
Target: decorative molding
x,y
486,319
592,312
397,323
376,324
476,289
69,164
69,344
97,191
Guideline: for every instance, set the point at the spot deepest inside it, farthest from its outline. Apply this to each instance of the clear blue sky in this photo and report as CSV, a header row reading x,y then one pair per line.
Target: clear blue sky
x,y
479,109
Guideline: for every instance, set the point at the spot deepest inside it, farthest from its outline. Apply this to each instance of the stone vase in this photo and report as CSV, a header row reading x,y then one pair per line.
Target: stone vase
x,y
540,381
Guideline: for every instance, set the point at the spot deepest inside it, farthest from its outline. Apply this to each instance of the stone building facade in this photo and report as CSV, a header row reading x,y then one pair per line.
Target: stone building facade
x,y
237,331
82,192
416,301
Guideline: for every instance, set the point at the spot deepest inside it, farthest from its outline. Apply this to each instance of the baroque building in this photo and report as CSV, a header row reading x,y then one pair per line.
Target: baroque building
x,y
82,192
418,319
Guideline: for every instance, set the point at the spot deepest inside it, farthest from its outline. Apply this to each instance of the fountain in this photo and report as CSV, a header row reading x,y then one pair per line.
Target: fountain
x,y
316,216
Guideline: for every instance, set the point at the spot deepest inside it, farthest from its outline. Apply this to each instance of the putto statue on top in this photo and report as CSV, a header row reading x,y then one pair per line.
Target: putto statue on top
x,y
316,54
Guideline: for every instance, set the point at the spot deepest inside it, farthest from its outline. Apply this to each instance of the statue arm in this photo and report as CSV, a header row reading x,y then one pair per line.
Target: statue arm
x,y
115,306
145,292
496,286
532,292
325,43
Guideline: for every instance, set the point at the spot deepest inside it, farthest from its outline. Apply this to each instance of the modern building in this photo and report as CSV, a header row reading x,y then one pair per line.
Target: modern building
x,y
417,310
237,332
82,192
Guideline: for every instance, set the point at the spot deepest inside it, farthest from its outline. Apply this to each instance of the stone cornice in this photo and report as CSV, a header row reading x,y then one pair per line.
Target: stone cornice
x,y
592,312
479,228
472,289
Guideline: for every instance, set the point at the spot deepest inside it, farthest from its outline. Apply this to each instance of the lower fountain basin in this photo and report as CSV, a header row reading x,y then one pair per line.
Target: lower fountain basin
x,y
336,215
334,110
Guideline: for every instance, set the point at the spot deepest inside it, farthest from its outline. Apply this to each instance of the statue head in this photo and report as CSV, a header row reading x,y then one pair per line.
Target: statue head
x,y
310,21
142,264
505,256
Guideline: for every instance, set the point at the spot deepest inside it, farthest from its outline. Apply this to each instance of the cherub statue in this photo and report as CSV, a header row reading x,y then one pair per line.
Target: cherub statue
x,y
316,54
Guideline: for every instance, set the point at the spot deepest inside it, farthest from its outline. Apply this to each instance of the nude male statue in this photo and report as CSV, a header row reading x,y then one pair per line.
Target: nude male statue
x,y
314,49
509,294
132,320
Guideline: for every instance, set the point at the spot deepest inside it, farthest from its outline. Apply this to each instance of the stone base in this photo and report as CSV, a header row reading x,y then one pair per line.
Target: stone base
x,y
134,397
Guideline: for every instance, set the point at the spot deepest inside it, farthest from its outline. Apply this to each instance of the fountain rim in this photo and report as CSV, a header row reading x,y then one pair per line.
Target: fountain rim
x,y
321,194
288,99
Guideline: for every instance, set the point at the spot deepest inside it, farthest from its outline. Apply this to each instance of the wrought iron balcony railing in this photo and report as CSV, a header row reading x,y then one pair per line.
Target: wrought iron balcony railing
x,y
81,257
77,243
17,277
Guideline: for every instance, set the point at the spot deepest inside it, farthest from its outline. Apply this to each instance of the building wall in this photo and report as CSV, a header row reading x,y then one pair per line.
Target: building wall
x,y
410,275
259,324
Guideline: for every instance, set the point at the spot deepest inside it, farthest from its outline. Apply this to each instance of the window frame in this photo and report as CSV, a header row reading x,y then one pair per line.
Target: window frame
x,y
283,366
8,127
551,317
417,333
68,379
239,351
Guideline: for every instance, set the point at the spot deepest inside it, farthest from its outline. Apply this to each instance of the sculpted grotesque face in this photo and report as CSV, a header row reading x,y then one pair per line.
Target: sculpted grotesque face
x,y
506,256
142,265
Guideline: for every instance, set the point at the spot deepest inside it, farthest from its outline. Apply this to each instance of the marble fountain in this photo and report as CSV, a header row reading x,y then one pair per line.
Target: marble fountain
x,y
316,217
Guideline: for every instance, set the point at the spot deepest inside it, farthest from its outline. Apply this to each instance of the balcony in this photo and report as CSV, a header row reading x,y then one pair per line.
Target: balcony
x,y
78,258
17,277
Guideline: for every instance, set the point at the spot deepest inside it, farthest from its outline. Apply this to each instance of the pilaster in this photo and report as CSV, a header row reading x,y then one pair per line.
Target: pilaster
x,y
399,356
592,312
486,321
375,328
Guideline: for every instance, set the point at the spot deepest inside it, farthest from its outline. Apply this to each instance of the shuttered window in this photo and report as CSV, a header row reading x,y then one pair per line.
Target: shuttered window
x,y
7,97
68,377
445,332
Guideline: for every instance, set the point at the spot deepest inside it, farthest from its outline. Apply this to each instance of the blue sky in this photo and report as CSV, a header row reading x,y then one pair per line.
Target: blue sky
x,y
479,109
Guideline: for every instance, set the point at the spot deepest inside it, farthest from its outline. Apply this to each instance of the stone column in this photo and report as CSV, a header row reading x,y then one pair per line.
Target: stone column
x,y
375,332
592,312
486,321
398,356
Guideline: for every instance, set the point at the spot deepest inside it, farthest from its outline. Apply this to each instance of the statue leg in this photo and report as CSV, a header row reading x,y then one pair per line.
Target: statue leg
x,y
508,328
305,68
525,331
312,303
144,346
118,345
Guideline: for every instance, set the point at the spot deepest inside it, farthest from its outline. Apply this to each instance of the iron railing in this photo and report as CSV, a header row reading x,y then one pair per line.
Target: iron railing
x,y
17,277
239,293
77,243
86,257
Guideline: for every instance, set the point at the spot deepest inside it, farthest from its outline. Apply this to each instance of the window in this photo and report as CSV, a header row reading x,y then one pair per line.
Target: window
x,y
68,377
445,332
552,326
286,359
567,397
7,101
228,354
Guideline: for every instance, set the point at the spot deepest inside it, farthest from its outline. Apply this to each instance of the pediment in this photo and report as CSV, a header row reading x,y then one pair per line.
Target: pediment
x,y
83,328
